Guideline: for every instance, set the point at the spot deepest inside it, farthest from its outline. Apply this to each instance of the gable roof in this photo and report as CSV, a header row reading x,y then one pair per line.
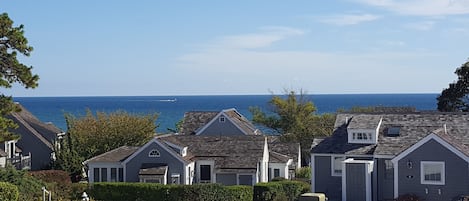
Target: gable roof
x,y
116,155
196,122
29,124
233,152
414,126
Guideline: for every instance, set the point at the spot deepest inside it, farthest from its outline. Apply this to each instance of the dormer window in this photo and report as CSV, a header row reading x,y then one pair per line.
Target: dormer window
x,y
363,129
222,119
154,153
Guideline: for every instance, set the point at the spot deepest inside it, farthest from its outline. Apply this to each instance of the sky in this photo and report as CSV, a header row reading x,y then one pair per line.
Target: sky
x,y
207,47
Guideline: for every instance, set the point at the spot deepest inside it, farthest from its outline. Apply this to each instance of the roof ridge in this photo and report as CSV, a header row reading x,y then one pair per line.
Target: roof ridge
x,y
32,130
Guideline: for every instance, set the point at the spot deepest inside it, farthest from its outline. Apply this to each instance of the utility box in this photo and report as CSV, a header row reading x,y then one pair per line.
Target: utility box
x,y
312,197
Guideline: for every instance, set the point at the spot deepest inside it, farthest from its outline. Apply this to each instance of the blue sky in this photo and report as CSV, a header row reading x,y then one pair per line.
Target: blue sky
x,y
105,48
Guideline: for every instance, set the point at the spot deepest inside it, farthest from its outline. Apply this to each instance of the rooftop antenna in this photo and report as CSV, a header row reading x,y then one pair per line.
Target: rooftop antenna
x,y
444,127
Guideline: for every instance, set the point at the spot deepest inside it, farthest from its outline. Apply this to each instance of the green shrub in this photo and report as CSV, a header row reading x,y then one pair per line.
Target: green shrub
x,y
8,192
148,191
281,190
241,193
77,189
268,191
29,187
303,172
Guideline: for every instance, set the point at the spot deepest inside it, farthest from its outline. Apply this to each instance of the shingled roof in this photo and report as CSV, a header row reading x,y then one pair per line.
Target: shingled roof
x,y
116,155
196,120
234,152
413,127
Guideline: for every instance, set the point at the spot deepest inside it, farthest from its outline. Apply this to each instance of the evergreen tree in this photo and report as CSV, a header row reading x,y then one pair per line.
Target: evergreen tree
x,y
455,98
12,42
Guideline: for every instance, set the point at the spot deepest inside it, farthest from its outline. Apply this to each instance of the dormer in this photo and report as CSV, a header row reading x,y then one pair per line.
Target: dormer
x,y
364,129
182,151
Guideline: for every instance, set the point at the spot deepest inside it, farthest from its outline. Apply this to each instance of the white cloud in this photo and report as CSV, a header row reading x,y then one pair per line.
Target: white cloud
x,y
350,19
264,38
422,7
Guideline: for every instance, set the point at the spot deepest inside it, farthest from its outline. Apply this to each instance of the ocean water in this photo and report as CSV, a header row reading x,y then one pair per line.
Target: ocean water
x,y
171,109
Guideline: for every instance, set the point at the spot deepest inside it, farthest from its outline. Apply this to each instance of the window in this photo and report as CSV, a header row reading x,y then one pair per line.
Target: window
x,y
276,172
113,174
388,170
103,174
121,174
222,119
432,172
96,174
175,178
154,153
205,173
336,165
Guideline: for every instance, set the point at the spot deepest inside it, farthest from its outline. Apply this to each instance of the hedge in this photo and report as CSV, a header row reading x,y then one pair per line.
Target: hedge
x,y
279,191
8,192
148,191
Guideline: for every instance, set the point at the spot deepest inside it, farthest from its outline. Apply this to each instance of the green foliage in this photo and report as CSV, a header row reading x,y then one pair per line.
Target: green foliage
x,y
100,133
28,186
8,192
303,172
94,134
280,191
455,98
148,191
12,42
293,116
77,190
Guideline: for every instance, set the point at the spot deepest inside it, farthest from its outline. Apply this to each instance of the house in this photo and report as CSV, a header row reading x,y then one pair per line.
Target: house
x,y
37,138
11,154
380,156
225,122
188,159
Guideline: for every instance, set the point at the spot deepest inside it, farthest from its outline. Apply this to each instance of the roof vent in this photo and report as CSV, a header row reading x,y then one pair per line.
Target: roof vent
x,y
394,131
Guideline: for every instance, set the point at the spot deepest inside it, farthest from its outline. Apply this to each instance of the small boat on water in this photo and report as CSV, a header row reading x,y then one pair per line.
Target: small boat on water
x,y
168,100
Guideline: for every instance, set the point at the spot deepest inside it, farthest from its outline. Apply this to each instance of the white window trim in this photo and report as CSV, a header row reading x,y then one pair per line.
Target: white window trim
x,y
154,156
222,119
333,165
176,175
422,173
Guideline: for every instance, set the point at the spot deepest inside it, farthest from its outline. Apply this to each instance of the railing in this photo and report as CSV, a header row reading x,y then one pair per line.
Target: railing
x,y
20,162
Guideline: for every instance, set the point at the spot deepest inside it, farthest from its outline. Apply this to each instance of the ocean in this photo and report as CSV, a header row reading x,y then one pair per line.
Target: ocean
x,y
171,109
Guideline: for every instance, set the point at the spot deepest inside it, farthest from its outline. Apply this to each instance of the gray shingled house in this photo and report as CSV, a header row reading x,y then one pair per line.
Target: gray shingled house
x,y
34,150
381,156
225,122
188,159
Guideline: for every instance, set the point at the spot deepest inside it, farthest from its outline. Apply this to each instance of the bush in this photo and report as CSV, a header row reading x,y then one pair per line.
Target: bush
x,y
8,192
241,193
77,189
303,172
279,191
58,182
148,191
29,187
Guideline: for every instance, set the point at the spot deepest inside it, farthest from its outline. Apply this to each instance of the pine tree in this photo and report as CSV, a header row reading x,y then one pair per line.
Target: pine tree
x,y
455,98
12,42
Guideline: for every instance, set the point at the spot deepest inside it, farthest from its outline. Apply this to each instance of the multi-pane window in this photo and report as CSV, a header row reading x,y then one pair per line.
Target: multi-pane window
x,y
337,165
432,172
